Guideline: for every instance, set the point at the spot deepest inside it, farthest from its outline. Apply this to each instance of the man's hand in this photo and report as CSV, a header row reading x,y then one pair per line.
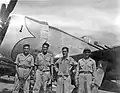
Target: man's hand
x,y
77,81
48,64
93,80
92,85
51,77
56,69
74,71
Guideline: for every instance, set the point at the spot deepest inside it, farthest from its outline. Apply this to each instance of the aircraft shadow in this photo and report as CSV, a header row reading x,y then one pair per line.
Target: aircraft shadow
x,y
5,91
110,86
106,86
6,81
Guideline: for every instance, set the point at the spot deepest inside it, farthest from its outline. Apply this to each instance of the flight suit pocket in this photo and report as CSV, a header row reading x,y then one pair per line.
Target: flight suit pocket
x,y
47,59
29,61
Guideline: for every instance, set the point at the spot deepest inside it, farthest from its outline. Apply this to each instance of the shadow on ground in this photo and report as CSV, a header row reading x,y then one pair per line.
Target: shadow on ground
x,y
110,86
6,91
106,86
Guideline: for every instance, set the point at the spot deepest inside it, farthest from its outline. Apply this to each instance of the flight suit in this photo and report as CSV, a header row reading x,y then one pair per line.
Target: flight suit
x,y
24,62
43,72
63,67
85,75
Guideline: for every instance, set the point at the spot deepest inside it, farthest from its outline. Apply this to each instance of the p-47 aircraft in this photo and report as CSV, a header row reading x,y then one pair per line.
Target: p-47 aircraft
x,y
19,29
23,29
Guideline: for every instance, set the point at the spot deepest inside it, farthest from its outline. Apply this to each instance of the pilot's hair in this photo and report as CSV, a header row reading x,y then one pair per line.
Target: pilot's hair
x,y
28,45
45,44
65,48
86,50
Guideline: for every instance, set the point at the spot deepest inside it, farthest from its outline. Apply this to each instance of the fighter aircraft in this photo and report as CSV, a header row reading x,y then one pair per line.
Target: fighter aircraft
x,y
19,29
23,29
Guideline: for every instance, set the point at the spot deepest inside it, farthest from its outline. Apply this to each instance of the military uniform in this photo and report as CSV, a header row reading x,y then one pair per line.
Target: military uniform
x,y
63,67
43,71
24,62
86,74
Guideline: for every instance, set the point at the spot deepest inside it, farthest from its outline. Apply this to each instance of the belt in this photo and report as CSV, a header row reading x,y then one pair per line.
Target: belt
x,y
85,72
64,75
46,70
23,66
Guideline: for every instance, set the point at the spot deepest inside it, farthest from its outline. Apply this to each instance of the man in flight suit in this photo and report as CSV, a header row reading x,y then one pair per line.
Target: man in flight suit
x,y
43,62
86,73
25,63
63,67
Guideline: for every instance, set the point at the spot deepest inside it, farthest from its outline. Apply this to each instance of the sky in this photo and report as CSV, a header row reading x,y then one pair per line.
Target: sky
x,y
99,19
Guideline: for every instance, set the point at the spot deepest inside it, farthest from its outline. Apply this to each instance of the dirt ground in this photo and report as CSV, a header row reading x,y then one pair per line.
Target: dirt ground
x,y
6,86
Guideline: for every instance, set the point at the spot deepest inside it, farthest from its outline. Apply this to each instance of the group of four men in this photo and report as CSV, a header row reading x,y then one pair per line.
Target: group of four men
x,y
85,70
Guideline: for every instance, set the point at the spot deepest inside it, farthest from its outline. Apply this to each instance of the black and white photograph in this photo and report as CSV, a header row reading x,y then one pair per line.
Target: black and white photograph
x,y
59,46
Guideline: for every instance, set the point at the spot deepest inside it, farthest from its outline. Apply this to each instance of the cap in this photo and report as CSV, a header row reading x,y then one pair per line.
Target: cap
x,y
86,50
